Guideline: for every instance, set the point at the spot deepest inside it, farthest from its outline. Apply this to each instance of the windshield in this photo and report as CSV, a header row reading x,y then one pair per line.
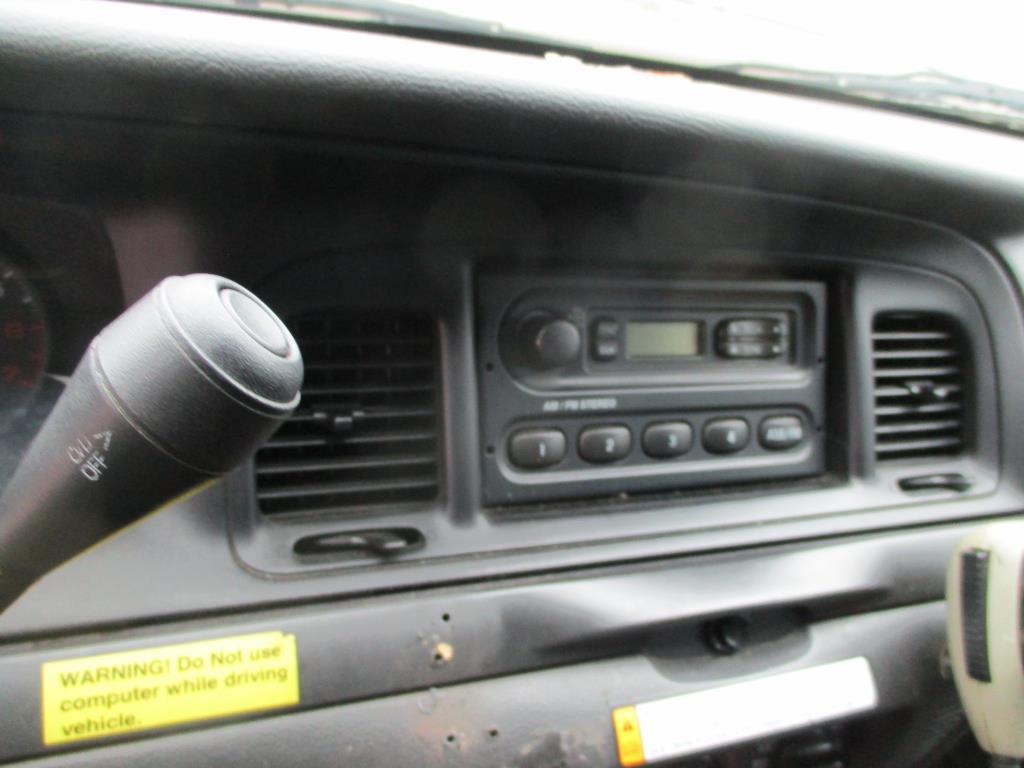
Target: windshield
x,y
946,56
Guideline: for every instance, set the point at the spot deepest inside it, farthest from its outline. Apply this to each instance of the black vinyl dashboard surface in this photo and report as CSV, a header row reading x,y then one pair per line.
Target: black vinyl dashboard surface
x,y
331,168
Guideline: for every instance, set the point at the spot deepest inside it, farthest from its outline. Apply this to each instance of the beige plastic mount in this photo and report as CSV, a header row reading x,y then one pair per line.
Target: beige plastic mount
x,y
995,710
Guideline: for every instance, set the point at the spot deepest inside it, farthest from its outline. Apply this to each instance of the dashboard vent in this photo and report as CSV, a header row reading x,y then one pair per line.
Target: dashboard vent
x,y
367,430
919,386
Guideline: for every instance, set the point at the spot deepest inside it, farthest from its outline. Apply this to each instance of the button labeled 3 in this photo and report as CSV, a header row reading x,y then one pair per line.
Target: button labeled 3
x,y
667,439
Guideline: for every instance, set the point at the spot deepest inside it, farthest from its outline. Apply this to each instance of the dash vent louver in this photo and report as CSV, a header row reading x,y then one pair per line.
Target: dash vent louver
x,y
366,432
919,377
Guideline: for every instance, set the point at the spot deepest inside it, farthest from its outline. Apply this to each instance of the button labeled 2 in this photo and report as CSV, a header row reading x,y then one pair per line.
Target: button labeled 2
x,y
536,448
603,444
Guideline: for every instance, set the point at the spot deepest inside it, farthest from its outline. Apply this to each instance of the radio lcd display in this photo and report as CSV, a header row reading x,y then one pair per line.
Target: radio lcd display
x,y
662,339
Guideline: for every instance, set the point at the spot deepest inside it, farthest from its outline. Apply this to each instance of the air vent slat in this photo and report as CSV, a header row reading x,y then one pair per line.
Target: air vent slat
x,y
346,489
917,426
913,410
367,432
329,465
914,354
365,389
940,444
340,366
392,437
911,372
912,336
919,394
889,392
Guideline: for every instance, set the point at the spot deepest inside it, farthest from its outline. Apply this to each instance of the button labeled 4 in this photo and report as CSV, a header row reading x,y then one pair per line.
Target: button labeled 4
x,y
726,435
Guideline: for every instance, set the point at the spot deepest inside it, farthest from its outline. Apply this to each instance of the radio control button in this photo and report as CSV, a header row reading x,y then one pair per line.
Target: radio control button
x,y
536,448
606,328
603,444
746,349
757,327
752,338
726,435
605,342
667,440
778,433
605,349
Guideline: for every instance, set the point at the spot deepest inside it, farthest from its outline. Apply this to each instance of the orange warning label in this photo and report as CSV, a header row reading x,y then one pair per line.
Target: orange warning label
x,y
627,733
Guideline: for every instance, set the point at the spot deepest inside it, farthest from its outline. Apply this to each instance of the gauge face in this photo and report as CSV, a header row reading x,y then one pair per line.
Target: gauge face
x,y
23,340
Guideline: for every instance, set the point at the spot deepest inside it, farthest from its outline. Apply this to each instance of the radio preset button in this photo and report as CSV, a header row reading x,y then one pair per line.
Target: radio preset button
x,y
778,433
726,435
536,448
603,444
667,439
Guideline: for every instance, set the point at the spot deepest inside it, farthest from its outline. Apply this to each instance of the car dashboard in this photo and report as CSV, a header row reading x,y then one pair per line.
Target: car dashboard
x,y
620,385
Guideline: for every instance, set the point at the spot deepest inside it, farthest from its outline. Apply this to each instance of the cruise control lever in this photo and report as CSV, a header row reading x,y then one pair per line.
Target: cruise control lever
x,y
174,393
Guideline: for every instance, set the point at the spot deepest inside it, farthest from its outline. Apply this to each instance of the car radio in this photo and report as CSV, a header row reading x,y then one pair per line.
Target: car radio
x,y
592,385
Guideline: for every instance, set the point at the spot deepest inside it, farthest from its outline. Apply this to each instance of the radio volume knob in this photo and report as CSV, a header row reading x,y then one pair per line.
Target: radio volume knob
x,y
546,341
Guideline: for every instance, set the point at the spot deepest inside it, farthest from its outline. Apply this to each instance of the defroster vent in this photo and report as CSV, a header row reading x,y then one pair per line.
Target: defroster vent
x,y
367,430
919,363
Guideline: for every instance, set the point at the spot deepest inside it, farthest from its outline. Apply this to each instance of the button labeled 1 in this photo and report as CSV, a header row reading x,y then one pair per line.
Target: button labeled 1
x,y
600,445
726,435
536,448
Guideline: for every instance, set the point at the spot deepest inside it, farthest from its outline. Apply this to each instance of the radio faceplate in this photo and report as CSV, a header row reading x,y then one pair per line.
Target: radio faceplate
x,y
594,386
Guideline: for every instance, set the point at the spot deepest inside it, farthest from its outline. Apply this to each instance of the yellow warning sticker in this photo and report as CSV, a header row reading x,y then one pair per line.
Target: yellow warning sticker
x,y
95,696
627,733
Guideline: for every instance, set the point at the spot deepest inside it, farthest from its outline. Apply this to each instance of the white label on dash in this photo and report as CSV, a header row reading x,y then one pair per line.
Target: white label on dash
x,y
705,720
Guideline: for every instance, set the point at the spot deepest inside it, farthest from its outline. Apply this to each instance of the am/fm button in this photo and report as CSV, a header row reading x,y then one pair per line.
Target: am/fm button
x,y
778,433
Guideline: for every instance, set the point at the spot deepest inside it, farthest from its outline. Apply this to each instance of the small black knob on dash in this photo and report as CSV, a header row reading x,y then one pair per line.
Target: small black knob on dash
x,y
728,635
547,341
